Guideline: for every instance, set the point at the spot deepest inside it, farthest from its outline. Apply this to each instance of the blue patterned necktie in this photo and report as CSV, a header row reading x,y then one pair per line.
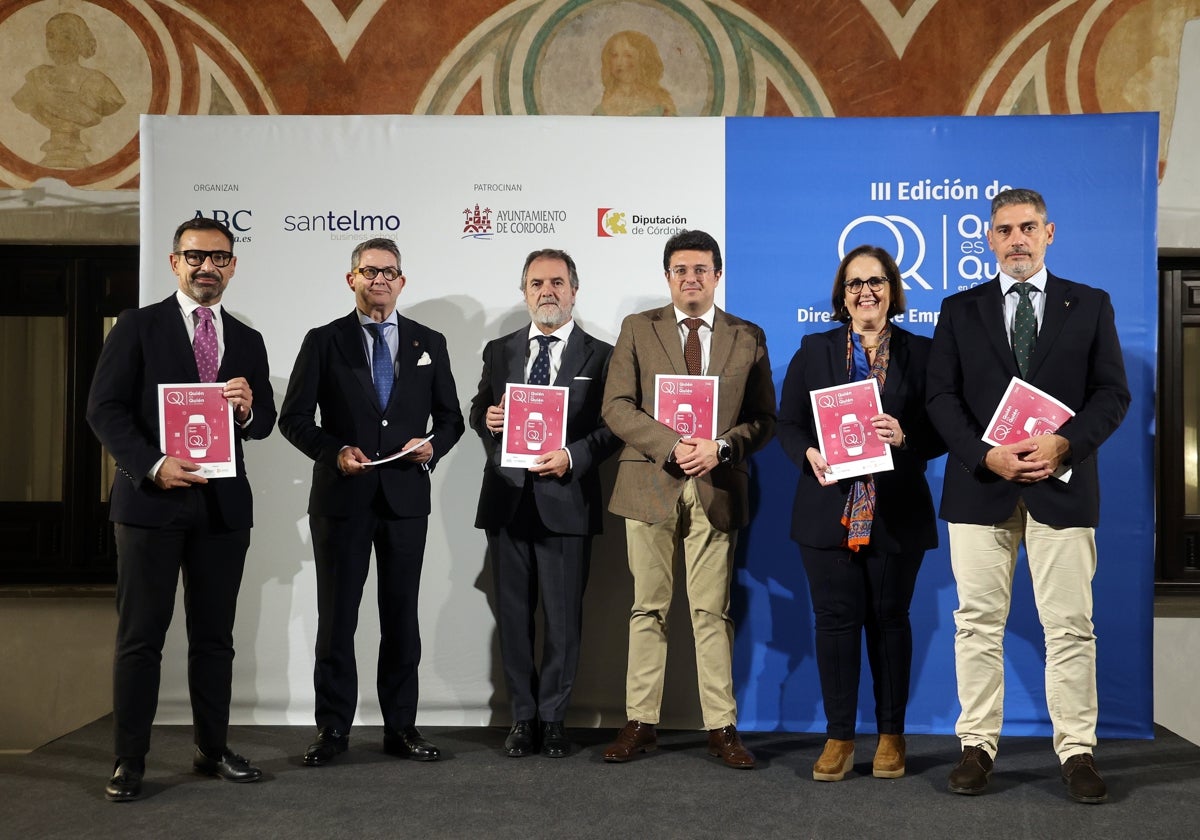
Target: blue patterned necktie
x,y
1024,328
382,370
539,374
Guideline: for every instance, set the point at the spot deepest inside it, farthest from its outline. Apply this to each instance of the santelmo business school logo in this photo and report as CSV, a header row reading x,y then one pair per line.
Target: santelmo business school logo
x,y
611,221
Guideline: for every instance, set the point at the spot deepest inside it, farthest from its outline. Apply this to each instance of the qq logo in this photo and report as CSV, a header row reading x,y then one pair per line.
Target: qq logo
x,y
909,249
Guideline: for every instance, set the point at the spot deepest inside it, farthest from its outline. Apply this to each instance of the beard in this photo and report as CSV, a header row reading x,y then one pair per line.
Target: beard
x,y
202,293
550,315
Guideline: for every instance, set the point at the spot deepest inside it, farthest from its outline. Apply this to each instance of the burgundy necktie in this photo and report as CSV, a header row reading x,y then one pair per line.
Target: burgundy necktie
x,y
204,345
691,347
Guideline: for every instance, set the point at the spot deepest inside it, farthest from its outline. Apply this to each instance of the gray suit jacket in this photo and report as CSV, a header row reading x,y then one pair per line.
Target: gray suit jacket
x,y
648,485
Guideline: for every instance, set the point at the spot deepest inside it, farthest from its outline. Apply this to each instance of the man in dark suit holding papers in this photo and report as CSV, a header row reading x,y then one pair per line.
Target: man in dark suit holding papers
x,y
382,384
1060,337
683,493
169,518
540,521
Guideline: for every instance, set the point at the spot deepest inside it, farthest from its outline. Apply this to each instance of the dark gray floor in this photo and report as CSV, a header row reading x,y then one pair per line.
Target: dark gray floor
x,y
57,791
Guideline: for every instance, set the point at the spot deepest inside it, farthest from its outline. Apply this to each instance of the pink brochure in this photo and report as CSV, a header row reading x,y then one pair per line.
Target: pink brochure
x,y
1024,412
687,404
195,423
535,422
843,419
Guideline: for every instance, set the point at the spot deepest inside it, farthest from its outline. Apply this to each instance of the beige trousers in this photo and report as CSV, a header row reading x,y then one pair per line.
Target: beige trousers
x,y
708,565
1062,562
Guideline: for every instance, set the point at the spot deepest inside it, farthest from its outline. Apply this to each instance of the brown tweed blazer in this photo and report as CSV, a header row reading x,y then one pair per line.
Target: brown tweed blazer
x,y
648,486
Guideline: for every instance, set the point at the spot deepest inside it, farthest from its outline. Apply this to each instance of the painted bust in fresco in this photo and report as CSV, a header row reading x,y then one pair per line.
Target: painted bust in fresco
x,y
65,96
631,70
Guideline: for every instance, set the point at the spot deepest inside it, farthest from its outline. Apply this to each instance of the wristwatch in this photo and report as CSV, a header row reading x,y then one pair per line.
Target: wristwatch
x,y
535,431
197,435
724,451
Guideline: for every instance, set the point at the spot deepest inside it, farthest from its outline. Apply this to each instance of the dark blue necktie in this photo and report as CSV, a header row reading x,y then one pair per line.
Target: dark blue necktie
x,y
539,374
382,370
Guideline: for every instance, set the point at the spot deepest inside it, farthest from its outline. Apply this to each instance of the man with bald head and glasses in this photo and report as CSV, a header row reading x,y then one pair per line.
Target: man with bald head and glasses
x,y
382,385
169,518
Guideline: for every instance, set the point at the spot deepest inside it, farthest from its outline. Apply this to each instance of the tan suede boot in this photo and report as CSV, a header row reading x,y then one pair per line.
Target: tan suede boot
x,y
836,760
889,757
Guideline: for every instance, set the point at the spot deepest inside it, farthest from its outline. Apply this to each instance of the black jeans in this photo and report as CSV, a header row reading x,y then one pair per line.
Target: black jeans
x,y
853,592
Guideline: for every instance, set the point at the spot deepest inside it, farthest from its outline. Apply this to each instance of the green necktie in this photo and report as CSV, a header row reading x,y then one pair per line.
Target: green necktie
x,y
1024,331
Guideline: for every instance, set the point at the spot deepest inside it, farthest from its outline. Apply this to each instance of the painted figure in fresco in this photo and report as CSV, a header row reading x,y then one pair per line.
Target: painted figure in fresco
x,y
632,70
65,96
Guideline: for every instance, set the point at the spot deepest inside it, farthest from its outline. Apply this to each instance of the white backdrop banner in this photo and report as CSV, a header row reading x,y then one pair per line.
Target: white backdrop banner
x,y
466,198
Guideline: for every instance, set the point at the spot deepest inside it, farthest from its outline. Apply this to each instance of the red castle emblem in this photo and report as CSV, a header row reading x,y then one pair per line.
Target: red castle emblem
x,y
478,221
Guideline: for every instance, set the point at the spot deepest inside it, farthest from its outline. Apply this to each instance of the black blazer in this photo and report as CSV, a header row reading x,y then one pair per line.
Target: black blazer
x,y
904,518
332,373
148,347
567,505
1077,359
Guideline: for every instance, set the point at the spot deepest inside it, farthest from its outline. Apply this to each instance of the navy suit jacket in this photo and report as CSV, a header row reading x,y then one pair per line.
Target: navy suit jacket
x,y
332,373
904,517
567,505
148,347
1077,359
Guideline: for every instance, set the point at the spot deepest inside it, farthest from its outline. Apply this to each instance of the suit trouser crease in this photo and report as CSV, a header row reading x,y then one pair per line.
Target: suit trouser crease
x,y
1062,563
708,568
529,561
868,592
150,563
342,551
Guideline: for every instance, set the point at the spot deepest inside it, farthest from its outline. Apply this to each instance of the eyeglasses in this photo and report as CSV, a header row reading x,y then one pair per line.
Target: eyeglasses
x,y
196,258
682,271
370,272
855,286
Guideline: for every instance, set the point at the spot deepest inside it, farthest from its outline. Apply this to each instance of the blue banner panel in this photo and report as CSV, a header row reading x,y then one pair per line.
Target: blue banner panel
x,y
802,192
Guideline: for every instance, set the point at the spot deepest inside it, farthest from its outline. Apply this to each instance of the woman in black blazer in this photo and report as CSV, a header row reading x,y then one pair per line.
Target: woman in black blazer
x,y
862,539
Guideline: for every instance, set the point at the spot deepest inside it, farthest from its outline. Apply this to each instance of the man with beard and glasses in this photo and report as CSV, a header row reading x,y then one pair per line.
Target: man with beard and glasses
x,y
1059,336
540,521
366,386
170,519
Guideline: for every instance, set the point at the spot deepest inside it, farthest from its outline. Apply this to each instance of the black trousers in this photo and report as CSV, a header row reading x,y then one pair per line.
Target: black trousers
x,y
149,564
342,550
852,593
529,560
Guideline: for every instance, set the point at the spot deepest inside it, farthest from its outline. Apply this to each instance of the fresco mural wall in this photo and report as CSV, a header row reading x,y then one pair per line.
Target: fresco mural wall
x,y
75,75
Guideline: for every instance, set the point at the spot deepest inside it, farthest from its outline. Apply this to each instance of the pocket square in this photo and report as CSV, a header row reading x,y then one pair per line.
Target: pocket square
x,y
424,360
587,378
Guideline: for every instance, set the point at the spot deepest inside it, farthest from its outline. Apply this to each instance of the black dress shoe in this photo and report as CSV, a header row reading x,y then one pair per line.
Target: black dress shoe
x,y
408,743
970,775
1083,781
520,740
554,740
126,782
329,745
226,765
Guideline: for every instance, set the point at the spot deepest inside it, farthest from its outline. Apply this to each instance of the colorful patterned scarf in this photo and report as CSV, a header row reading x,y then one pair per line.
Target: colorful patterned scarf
x,y
860,504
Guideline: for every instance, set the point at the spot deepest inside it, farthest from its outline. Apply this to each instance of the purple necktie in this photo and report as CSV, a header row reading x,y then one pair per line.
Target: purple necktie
x,y
204,345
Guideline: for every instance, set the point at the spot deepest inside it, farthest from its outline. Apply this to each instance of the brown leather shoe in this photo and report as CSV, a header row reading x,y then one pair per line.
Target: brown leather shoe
x,y
835,762
970,775
726,745
889,757
635,737
1083,781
